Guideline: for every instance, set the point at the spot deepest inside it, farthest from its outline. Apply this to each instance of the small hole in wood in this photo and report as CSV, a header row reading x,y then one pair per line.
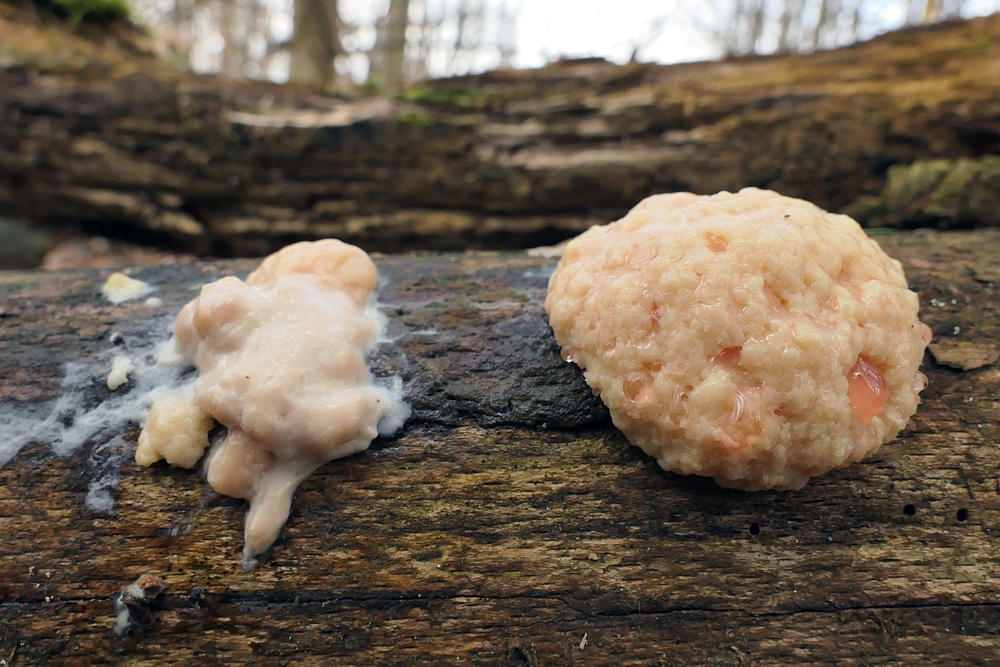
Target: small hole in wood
x,y
909,510
755,529
517,656
963,514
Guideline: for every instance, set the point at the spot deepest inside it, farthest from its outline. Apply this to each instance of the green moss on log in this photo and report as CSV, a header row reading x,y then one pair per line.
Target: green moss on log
x,y
941,193
88,11
462,98
413,119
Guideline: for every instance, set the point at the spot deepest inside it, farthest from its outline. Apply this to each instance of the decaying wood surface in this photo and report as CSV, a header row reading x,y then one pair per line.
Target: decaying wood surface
x,y
509,520
93,133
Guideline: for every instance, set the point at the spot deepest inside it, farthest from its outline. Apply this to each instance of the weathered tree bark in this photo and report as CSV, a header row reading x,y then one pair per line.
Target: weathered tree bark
x,y
502,159
389,55
316,42
932,11
509,520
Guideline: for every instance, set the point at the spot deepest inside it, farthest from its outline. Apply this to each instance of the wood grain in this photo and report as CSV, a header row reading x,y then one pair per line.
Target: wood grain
x,y
509,518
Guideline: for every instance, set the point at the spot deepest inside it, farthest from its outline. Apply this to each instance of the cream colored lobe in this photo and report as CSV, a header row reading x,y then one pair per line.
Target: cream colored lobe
x,y
281,363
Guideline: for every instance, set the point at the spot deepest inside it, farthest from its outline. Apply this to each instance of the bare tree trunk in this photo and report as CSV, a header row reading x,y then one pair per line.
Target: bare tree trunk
x,y
831,27
952,8
730,35
784,25
745,27
390,47
809,36
507,31
852,25
932,11
229,26
182,15
822,24
316,42
428,34
756,26
463,17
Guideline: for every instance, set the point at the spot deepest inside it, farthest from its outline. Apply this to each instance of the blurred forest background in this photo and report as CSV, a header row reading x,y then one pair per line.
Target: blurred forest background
x,y
453,124
387,44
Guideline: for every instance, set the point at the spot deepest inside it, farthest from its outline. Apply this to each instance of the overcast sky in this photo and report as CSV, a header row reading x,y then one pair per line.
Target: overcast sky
x,y
553,28
610,28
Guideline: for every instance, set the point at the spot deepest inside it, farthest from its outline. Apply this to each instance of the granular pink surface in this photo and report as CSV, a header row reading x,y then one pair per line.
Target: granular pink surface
x,y
748,337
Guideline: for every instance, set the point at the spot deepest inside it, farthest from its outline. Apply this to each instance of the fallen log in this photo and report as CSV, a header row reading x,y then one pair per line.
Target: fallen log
x,y
95,135
509,521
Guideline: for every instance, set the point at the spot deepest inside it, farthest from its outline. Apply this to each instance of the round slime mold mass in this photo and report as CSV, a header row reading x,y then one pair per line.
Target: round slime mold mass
x,y
748,337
